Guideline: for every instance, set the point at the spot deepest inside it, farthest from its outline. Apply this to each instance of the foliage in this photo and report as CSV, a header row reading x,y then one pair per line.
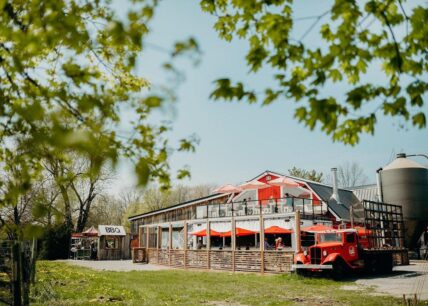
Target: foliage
x,y
311,175
153,198
68,70
356,37
55,242
63,284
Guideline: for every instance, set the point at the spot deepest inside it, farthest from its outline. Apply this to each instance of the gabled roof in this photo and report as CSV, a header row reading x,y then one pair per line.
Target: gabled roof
x,y
323,191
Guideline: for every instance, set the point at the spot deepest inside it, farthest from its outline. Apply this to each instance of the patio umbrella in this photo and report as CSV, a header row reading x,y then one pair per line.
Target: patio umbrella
x,y
316,228
239,232
277,230
203,233
228,188
254,185
283,181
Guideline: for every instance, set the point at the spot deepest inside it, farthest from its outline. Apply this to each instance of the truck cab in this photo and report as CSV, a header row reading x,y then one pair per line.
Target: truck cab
x,y
336,250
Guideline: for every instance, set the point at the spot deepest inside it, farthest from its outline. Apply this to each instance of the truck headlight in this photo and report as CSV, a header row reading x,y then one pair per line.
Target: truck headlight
x,y
305,253
324,253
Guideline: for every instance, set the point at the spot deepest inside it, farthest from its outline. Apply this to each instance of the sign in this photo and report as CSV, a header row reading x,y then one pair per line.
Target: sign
x,y
111,230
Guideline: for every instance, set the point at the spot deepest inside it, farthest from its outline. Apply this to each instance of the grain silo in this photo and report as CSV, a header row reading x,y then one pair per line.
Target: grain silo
x,y
405,182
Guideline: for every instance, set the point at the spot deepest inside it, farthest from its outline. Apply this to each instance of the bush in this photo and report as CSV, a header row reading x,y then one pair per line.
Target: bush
x,y
55,243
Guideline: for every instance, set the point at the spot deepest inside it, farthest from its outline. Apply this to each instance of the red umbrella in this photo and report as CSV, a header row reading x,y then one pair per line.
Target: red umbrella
x,y
203,233
316,228
254,185
239,232
277,230
228,188
92,231
283,181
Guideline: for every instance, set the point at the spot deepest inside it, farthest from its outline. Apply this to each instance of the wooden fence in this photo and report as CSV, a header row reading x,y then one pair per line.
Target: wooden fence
x,y
226,260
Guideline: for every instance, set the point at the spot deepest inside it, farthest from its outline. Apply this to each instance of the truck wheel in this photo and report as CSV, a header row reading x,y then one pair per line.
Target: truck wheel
x,y
339,269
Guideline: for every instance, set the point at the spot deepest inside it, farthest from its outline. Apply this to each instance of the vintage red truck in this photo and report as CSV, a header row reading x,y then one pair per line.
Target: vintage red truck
x,y
342,251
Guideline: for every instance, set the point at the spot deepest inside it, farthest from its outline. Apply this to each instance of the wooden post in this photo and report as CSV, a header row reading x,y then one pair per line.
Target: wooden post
x,y
185,244
169,243
208,231
140,236
262,244
233,243
297,231
147,237
159,242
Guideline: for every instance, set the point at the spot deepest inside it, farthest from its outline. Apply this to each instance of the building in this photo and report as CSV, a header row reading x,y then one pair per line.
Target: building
x,y
240,232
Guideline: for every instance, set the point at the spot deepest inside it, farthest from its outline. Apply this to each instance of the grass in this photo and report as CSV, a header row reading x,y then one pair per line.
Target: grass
x,y
62,284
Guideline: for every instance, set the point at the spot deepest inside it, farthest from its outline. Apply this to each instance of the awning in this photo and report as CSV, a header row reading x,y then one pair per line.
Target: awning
x,y
277,230
203,233
239,232
92,232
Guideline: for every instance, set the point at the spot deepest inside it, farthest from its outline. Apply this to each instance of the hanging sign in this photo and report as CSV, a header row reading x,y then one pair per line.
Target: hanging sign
x,y
111,230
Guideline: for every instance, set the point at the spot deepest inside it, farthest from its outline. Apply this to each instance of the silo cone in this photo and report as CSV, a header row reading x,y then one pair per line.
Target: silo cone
x,y
405,182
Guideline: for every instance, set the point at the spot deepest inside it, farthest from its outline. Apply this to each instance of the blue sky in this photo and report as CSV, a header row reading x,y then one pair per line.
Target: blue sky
x,y
237,140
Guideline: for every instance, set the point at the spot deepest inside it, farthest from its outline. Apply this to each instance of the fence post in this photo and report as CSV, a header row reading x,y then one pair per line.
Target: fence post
x,y
185,245
297,231
208,232
233,242
16,274
262,244
170,251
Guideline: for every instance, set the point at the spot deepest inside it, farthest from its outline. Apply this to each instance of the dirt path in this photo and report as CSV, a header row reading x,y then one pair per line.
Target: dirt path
x,y
115,265
406,280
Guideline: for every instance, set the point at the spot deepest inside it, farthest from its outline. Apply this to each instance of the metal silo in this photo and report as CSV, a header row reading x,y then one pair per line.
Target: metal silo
x,y
405,182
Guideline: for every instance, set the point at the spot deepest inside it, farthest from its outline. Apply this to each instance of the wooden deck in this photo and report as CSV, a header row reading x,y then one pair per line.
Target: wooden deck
x,y
226,260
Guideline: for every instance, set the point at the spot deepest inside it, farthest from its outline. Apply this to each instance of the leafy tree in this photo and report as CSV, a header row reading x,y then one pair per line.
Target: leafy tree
x,y
306,174
68,69
356,36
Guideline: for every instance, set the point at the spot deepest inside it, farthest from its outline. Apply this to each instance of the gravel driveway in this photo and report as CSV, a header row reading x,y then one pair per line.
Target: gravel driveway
x,y
115,265
406,280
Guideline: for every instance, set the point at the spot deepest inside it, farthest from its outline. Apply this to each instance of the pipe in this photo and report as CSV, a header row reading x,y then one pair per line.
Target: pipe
x,y
379,185
335,194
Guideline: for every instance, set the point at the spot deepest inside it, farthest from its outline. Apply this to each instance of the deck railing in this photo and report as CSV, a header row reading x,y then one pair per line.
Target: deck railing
x,y
307,207
226,260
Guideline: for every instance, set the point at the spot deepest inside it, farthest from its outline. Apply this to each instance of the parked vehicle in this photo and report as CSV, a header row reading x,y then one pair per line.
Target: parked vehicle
x,y
370,249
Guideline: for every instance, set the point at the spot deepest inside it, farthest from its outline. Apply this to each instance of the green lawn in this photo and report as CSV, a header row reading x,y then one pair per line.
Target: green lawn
x,y
63,284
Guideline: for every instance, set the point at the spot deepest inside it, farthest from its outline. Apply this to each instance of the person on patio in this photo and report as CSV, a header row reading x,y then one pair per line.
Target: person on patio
x,y
278,244
267,245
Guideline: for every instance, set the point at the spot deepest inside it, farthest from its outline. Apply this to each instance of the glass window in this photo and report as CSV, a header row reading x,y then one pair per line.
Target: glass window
x,y
330,237
350,238
112,242
201,212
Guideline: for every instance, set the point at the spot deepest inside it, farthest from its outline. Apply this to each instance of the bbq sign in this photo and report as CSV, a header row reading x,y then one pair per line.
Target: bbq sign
x,y
111,230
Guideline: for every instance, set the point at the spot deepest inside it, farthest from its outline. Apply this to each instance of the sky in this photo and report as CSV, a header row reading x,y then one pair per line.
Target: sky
x,y
239,141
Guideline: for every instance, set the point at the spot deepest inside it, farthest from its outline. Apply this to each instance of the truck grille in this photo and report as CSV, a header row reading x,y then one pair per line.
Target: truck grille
x,y
315,255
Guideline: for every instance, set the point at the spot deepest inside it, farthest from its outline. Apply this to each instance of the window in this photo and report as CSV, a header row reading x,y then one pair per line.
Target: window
x,y
112,242
350,238
330,237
